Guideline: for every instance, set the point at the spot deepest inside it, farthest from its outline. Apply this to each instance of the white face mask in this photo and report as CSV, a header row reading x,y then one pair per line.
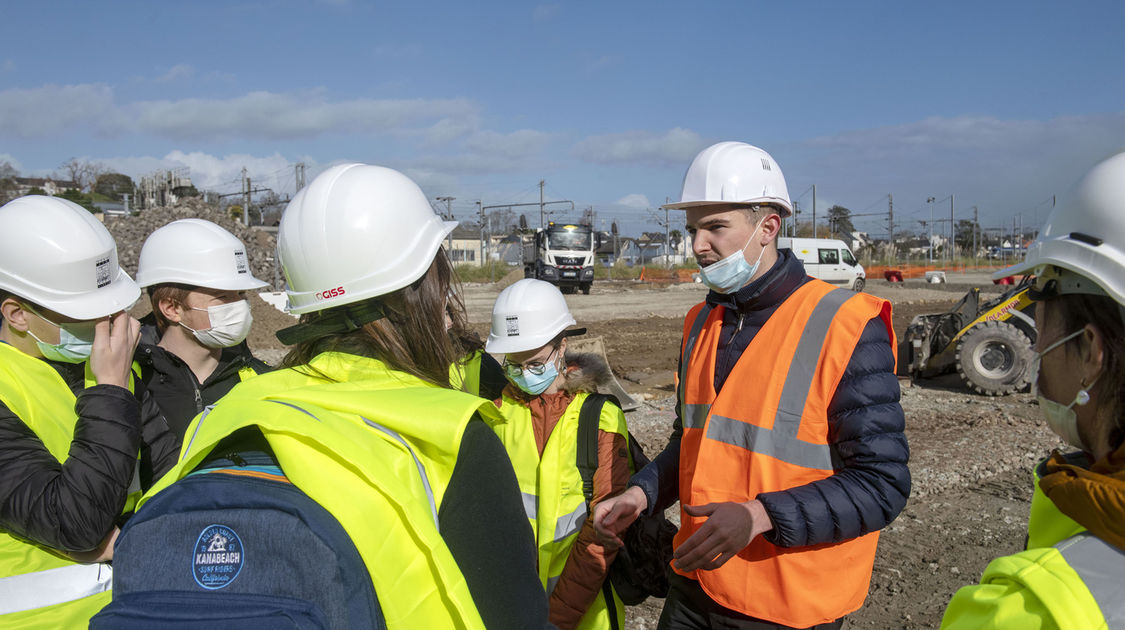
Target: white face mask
x,y
733,272
1061,419
230,323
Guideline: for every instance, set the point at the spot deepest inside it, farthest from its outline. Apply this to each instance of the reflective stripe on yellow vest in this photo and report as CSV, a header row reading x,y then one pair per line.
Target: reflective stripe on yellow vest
x,y
376,449
39,587
552,487
767,430
465,375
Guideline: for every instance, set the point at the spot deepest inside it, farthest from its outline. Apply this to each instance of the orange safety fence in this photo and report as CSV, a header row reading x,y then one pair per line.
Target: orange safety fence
x,y
879,272
663,274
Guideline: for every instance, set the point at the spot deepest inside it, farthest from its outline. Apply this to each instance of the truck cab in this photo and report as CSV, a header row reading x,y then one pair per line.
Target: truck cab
x,y
827,259
562,254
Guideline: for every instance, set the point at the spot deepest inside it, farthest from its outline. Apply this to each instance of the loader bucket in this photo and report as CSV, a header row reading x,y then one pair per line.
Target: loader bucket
x,y
595,345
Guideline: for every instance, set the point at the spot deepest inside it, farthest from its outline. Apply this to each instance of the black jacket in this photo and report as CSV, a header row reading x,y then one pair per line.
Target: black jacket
x,y
73,505
174,386
865,422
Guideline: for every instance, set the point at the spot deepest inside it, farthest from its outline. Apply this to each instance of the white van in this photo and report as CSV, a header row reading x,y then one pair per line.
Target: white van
x,y
827,259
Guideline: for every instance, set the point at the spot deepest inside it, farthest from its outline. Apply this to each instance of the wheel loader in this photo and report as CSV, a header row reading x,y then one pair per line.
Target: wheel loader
x,y
989,343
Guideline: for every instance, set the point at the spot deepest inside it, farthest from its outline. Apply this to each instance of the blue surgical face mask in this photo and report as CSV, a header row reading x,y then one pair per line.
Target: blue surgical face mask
x,y
76,341
536,384
733,272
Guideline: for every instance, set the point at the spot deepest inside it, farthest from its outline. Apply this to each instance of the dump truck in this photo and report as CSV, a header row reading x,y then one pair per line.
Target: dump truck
x,y
561,254
988,343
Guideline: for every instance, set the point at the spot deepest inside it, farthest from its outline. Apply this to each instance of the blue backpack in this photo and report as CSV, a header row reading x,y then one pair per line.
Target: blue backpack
x,y
246,550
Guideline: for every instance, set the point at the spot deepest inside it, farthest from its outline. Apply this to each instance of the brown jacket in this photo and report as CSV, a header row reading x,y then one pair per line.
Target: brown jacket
x,y
586,568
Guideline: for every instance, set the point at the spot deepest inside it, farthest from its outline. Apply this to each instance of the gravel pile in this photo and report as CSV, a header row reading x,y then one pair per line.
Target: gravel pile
x,y
131,232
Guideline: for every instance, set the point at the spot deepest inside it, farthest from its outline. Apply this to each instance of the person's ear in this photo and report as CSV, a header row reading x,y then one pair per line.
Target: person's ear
x,y
1093,362
170,310
15,314
771,226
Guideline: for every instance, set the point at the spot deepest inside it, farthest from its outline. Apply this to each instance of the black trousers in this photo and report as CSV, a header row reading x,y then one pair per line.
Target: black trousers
x,y
688,607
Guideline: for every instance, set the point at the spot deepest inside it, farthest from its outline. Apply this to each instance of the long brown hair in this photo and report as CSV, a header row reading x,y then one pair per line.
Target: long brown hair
x,y
1077,310
410,337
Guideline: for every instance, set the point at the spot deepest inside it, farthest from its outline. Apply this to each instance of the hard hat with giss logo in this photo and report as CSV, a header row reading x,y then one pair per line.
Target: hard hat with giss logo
x,y
734,173
197,253
356,232
54,253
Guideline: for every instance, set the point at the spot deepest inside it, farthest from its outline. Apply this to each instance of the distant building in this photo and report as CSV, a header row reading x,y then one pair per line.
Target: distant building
x,y
46,184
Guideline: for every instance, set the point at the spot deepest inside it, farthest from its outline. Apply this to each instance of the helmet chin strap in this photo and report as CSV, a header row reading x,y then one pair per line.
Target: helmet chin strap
x,y
341,319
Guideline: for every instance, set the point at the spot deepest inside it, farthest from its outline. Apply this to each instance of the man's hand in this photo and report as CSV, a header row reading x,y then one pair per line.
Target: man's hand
x,y
729,528
614,515
111,357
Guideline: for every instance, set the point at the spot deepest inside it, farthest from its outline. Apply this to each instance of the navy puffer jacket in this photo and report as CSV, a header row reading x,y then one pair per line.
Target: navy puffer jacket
x,y
865,420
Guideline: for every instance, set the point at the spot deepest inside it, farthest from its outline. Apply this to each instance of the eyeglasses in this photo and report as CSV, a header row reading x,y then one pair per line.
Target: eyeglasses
x,y
514,370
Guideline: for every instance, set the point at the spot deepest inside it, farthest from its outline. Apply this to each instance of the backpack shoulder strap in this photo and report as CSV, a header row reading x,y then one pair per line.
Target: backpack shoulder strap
x,y
587,457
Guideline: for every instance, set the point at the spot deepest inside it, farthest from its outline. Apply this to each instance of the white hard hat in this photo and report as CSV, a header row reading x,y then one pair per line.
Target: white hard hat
x,y
356,232
54,253
526,316
1085,235
734,173
196,253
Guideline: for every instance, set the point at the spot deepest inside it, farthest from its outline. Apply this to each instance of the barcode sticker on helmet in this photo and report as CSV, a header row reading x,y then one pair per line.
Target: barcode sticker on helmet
x,y
240,262
513,323
101,272
766,165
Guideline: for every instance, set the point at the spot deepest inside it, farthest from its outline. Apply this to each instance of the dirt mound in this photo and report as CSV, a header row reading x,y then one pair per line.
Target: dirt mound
x,y
131,232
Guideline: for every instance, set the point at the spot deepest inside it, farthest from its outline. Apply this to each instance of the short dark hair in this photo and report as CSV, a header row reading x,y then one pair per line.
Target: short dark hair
x,y
178,293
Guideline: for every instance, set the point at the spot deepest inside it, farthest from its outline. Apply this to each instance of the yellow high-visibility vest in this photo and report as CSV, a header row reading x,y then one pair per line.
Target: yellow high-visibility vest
x,y
465,374
42,588
551,486
376,448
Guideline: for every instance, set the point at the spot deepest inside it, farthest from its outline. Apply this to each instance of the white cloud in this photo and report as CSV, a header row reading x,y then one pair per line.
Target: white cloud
x,y
516,144
273,116
52,111
211,172
675,147
178,72
634,200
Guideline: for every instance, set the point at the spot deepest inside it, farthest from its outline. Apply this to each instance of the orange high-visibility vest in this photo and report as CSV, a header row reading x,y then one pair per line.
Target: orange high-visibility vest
x,y
768,431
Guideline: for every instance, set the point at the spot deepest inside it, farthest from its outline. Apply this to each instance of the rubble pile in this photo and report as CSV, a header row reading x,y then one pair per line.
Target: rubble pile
x,y
130,233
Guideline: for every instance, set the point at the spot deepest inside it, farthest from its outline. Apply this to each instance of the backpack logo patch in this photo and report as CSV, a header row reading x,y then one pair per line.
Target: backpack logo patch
x,y
217,558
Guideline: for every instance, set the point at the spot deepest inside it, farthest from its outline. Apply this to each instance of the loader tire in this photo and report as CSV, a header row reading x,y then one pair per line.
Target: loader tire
x,y
994,358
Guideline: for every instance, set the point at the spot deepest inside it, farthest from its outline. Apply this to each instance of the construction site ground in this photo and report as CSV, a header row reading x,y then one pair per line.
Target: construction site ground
x,y
971,455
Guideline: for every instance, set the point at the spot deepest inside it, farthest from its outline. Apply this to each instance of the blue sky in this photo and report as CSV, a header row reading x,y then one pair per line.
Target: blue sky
x,y
1002,104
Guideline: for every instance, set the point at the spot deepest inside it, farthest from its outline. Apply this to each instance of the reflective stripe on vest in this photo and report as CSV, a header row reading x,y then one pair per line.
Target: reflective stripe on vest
x,y
552,486
40,589
359,447
767,431
780,441
37,394
1102,569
